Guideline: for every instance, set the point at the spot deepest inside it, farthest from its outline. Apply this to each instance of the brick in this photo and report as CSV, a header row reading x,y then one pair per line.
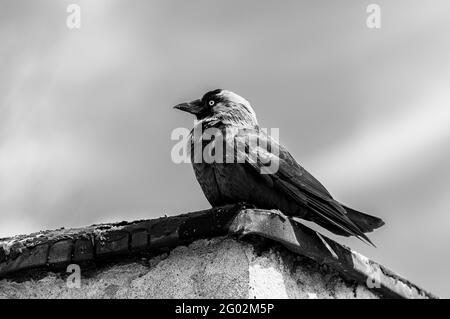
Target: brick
x,y
29,258
197,227
139,239
2,255
83,250
60,252
115,242
165,232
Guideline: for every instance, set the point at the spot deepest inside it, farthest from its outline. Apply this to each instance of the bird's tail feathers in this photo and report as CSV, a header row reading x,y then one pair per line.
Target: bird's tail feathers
x,y
332,216
365,222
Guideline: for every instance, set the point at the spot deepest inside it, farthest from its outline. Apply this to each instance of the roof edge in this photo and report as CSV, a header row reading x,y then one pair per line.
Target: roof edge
x,y
56,248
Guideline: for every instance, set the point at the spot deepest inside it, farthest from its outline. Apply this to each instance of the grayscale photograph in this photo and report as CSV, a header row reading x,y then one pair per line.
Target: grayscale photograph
x,y
224,155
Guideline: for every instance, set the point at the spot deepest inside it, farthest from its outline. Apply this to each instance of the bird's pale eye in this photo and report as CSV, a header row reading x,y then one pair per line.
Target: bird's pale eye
x,y
211,103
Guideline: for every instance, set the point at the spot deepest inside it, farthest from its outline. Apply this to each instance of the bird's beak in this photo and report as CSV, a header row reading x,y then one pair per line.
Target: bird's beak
x,y
194,107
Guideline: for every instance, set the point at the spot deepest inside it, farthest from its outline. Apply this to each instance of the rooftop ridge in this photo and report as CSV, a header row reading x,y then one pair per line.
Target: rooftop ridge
x,y
55,248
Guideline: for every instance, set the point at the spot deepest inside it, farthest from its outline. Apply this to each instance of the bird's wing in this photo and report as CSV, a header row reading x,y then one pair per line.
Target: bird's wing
x,y
292,179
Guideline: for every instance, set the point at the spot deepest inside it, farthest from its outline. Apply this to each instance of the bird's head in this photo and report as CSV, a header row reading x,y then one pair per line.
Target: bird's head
x,y
222,106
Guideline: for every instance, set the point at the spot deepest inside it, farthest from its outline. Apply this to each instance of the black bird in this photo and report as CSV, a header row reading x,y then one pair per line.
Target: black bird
x,y
242,175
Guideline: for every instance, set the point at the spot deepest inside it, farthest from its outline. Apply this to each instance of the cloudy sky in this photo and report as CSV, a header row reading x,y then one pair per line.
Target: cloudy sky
x,y
86,118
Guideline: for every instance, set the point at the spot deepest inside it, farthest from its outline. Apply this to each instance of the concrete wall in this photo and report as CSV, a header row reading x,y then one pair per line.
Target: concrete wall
x,y
218,268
